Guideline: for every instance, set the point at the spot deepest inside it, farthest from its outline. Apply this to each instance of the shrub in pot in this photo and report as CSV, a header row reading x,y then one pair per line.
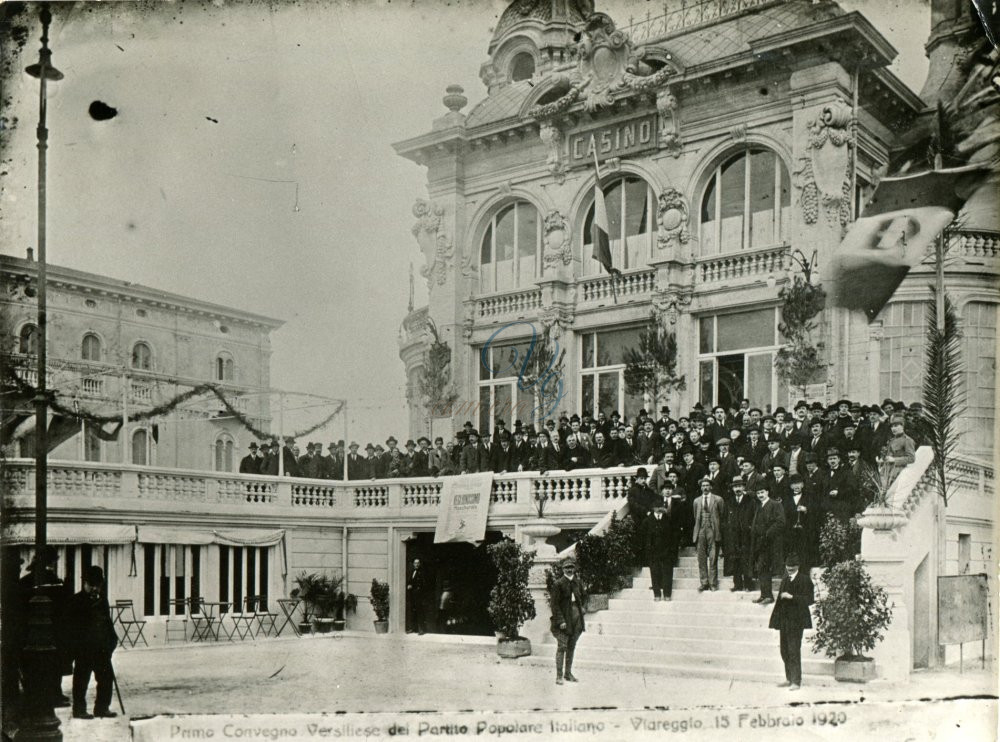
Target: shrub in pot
x,y
851,618
511,603
316,592
606,562
378,596
839,540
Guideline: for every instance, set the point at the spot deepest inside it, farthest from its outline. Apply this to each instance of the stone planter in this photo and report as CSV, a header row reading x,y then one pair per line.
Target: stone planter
x,y
881,519
323,625
339,624
854,669
511,649
536,531
381,627
596,602
305,627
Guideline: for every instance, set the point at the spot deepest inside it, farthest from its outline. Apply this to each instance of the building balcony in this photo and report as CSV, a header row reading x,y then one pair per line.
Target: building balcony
x,y
113,491
740,268
508,306
629,286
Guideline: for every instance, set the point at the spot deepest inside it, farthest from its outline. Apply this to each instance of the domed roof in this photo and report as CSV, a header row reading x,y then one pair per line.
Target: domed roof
x,y
572,12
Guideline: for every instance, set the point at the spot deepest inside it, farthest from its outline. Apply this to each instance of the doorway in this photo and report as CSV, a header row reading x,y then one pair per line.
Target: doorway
x,y
460,577
731,389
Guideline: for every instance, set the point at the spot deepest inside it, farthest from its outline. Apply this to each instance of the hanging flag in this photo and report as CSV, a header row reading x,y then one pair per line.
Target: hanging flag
x,y
894,233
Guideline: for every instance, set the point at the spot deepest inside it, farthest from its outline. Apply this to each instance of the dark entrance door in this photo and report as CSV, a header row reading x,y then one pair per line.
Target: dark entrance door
x,y
731,389
460,577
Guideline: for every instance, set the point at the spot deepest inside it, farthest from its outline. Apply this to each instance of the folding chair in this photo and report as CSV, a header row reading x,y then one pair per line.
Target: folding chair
x,y
204,623
132,627
288,607
176,617
245,622
222,630
265,619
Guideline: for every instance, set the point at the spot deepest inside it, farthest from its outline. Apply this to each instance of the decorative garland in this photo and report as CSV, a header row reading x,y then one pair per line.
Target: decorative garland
x,y
797,361
162,409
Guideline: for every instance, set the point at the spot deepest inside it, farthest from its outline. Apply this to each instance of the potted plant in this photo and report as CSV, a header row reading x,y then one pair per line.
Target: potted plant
x,y
879,515
379,599
606,562
511,603
316,592
851,619
343,603
306,590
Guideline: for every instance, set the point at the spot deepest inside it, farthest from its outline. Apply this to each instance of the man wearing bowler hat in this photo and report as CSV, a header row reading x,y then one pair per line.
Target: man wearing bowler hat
x,y
791,617
250,464
92,639
567,619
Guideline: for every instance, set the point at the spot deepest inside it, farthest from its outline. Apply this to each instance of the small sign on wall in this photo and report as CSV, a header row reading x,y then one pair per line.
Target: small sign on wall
x,y
612,140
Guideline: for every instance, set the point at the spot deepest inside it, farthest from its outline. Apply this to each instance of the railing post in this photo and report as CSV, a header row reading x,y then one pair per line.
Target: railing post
x,y
524,491
130,483
395,498
283,492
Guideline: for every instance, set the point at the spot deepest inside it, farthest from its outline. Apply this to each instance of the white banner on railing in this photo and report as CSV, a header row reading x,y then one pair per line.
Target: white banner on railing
x,y
464,507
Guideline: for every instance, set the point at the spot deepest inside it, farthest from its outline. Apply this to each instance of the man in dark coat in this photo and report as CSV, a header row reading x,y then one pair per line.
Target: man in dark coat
x,y
791,617
356,468
418,586
575,456
502,456
641,499
842,496
250,464
801,523
661,541
766,534
92,639
740,512
567,623
475,457
269,463
603,454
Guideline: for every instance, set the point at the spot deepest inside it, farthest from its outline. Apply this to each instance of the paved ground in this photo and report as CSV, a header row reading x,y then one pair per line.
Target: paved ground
x,y
367,673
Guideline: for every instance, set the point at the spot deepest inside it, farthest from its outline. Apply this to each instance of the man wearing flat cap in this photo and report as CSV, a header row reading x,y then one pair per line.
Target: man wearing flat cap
x,y
567,599
93,639
791,617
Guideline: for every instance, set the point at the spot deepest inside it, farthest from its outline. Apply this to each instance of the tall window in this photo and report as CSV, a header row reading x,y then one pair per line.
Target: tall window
x,y
736,359
631,208
224,453
224,367
90,349
522,67
602,377
28,340
141,447
979,330
499,395
510,254
170,572
142,356
901,369
747,203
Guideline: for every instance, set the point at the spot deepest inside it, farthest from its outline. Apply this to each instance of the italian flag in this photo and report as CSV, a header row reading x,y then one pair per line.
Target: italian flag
x,y
599,230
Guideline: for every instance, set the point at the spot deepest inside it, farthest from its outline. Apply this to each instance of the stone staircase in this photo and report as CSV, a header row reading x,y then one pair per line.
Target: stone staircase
x,y
718,634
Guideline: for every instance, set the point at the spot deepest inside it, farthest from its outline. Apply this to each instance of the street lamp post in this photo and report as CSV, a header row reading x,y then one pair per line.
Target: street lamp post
x,y
806,266
40,666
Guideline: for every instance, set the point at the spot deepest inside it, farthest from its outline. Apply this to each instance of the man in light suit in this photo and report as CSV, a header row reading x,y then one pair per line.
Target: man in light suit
x,y
709,511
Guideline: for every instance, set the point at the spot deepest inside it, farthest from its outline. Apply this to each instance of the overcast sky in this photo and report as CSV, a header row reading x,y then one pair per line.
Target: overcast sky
x,y
250,163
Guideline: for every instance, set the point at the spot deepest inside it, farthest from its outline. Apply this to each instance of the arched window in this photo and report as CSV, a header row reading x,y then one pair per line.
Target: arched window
x,y
510,254
631,207
28,340
225,369
140,447
522,67
224,448
91,347
142,356
747,203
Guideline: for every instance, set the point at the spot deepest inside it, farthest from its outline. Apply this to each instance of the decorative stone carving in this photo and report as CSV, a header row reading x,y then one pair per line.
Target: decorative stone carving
x,y
672,215
667,306
506,188
738,133
670,125
823,178
469,319
552,138
558,250
434,241
606,63
556,319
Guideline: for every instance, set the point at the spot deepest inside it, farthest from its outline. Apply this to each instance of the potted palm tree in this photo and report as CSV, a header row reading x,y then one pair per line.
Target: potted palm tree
x,y
851,618
511,603
316,592
343,603
379,599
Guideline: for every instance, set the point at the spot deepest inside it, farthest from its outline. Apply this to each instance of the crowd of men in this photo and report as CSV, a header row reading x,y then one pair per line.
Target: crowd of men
x,y
857,433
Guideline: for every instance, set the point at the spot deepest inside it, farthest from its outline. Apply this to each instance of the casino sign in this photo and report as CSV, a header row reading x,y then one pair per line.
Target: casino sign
x,y
613,140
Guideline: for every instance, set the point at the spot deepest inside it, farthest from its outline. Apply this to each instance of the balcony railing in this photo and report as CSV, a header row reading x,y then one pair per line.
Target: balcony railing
x,y
515,304
141,392
690,14
92,387
635,284
579,496
745,264
977,245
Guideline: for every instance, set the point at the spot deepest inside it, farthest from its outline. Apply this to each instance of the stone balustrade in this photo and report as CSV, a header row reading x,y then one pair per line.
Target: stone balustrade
x,y
514,304
975,245
690,14
639,283
581,496
732,267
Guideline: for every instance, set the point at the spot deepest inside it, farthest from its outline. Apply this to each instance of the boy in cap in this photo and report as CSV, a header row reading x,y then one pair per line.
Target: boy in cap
x,y
93,640
567,623
791,617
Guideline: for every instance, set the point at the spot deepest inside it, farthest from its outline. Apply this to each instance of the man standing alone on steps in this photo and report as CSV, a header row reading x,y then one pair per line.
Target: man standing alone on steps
x,y
709,511
567,619
791,617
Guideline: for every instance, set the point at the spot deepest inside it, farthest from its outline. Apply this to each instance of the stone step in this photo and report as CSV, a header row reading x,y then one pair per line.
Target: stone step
x,y
645,590
670,614
723,665
692,601
682,627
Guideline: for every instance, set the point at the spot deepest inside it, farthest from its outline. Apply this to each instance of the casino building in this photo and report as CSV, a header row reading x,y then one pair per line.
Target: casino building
x,y
736,141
